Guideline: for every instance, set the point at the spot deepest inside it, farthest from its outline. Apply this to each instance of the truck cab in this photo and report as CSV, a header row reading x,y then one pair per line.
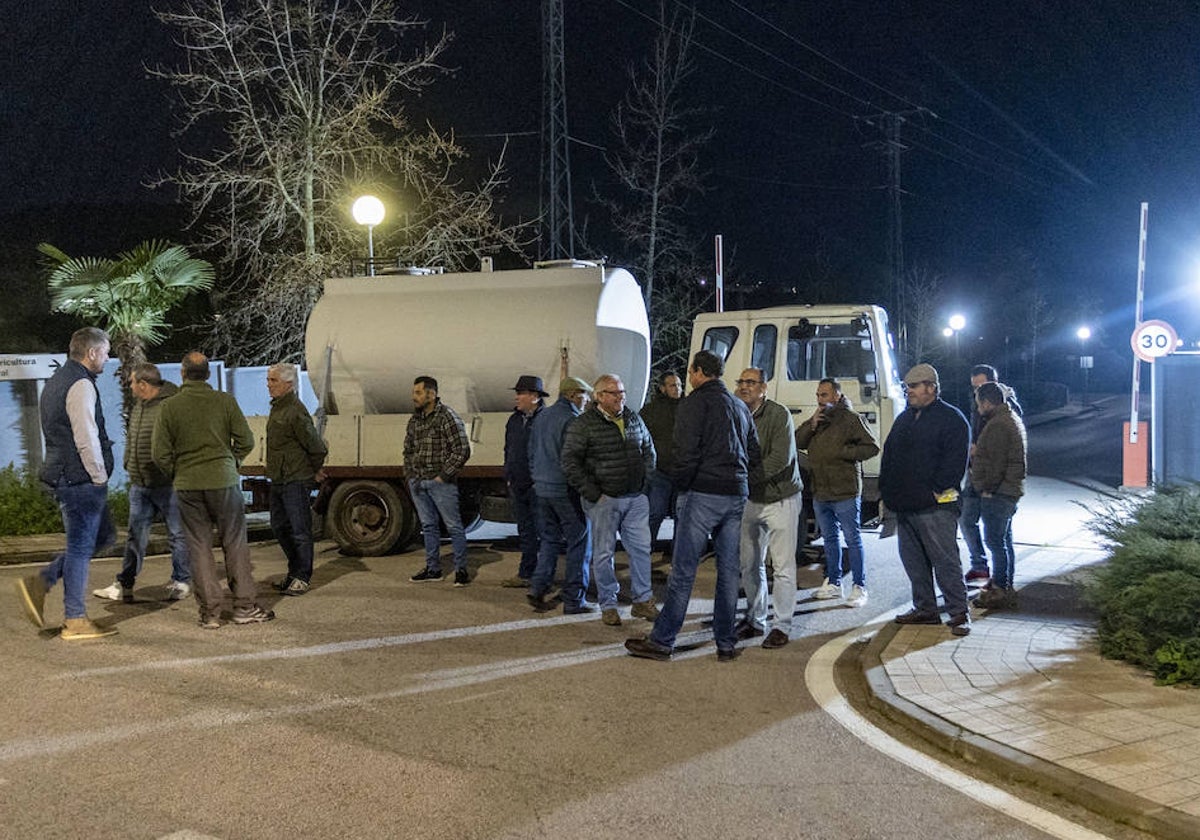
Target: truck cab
x,y
798,346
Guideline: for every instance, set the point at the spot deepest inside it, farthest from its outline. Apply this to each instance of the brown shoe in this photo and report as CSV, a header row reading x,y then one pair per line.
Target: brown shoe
x,y
32,592
775,639
644,609
611,617
84,628
515,583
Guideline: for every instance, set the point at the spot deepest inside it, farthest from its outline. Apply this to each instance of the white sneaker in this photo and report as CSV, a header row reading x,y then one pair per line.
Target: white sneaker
x,y
858,596
827,591
177,590
114,592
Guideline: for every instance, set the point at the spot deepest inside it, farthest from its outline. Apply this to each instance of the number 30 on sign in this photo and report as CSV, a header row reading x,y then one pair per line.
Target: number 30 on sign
x,y
1153,339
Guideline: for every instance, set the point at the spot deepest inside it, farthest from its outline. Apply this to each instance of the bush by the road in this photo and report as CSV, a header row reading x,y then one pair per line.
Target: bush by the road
x,y
26,507
1148,593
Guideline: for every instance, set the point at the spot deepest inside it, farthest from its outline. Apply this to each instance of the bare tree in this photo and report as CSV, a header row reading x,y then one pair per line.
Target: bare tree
x,y
923,291
655,155
307,97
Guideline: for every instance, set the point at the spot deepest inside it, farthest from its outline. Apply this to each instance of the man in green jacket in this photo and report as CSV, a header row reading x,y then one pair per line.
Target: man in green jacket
x,y
295,454
150,492
771,518
997,472
838,441
199,439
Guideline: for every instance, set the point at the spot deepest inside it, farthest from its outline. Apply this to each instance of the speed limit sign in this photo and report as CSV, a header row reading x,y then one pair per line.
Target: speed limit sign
x,y
1153,339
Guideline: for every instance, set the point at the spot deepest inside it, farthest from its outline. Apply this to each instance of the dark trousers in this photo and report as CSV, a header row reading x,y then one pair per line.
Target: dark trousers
x,y
291,522
224,507
525,508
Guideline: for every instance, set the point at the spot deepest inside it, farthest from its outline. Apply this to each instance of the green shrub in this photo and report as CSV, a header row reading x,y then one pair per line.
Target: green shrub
x,y
27,508
1148,593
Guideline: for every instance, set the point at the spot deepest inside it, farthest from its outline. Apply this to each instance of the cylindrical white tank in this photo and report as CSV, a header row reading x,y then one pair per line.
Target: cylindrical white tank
x,y
475,333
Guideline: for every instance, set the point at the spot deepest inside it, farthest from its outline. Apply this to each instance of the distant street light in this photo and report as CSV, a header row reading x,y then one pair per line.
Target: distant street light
x,y
368,210
956,324
1085,361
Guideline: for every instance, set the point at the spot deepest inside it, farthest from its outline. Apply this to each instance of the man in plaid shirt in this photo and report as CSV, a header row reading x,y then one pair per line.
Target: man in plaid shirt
x,y
435,449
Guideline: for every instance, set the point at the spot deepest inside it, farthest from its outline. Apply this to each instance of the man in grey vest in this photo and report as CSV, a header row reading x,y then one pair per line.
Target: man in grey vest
x,y
78,464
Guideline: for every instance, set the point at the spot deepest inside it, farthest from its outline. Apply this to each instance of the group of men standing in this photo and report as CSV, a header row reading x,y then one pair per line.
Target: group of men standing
x,y
183,449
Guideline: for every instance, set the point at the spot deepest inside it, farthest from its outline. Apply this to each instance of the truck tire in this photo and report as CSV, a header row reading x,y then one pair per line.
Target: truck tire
x,y
371,518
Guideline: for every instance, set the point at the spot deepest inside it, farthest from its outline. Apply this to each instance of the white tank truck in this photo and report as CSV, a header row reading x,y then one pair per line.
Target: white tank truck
x,y
369,337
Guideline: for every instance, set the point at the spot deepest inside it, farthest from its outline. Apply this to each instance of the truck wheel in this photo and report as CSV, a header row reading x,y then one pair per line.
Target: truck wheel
x,y
370,518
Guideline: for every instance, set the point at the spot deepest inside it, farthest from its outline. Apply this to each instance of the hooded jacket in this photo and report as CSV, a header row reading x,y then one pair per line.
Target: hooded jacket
x,y
998,465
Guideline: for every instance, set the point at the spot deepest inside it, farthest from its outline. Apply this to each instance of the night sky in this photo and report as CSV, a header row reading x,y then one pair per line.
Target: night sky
x,y
1043,125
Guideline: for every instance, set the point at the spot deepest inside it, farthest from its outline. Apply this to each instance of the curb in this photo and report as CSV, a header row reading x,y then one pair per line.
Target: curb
x,y
256,532
1114,803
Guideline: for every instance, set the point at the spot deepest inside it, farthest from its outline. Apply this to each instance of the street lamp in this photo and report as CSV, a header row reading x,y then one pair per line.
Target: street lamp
x,y
1085,361
368,210
956,324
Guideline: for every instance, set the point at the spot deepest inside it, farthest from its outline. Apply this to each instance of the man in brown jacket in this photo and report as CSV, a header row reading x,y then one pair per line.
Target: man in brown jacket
x,y
998,476
838,441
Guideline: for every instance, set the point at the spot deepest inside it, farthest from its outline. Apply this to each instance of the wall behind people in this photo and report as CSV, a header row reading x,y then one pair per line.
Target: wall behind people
x,y
16,416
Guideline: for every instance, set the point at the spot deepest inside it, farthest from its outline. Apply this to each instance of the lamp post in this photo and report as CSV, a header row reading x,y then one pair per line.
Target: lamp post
x,y
1085,361
956,324
368,211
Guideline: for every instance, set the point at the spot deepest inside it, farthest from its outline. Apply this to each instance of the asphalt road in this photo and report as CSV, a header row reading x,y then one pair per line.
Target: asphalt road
x,y
375,707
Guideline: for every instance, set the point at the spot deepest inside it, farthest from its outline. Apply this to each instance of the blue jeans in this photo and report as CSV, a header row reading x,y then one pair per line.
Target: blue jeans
x,y
89,528
839,520
661,494
697,516
435,499
631,516
145,503
996,512
564,529
525,506
968,524
291,522
929,549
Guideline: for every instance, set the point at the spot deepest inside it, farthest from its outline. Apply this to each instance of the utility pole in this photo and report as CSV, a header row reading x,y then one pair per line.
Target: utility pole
x,y
890,123
558,241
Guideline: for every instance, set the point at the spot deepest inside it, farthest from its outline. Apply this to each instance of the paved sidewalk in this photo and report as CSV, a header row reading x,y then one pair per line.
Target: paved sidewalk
x,y
1028,695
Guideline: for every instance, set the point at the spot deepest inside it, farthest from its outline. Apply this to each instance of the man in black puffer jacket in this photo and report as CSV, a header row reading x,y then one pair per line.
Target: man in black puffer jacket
x,y
606,456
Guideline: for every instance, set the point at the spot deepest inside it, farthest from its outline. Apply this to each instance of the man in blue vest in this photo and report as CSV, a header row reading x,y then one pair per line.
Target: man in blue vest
x,y
78,464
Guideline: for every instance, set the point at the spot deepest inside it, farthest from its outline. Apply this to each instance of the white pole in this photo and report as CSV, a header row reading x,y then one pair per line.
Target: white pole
x,y
1137,320
719,255
370,251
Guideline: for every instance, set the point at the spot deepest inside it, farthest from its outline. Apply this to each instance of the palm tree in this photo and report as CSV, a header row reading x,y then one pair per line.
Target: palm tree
x,y
130,296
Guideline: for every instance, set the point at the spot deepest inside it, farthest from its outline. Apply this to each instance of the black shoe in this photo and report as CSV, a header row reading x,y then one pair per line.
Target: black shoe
x,y
579,609
775,639
646,649
918,617
538,601
729,655
427,574
461,577
960,625
745,630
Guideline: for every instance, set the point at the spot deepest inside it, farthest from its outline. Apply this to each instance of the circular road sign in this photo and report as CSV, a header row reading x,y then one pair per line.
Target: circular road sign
x,y
1153,339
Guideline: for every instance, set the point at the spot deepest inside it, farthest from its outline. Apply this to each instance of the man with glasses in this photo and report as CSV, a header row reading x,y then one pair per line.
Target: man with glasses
x,y
770,521
606,457
924,459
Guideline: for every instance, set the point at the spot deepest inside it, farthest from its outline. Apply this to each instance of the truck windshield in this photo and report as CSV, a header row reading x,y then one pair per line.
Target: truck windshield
x,y
840,351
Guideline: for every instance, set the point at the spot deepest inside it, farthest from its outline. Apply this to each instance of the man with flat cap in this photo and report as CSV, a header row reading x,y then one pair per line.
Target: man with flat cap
x,y
564,528
517,475
924,459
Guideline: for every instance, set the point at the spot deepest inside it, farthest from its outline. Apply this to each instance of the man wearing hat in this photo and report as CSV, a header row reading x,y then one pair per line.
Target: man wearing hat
x,y
563,526
924,459
517,475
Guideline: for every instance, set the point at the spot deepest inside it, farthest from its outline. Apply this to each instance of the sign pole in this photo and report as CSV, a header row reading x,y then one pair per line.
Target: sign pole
x,y
1135,464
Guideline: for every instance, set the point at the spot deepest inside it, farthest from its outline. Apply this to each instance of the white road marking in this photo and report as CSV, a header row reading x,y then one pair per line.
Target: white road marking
x,y
818,675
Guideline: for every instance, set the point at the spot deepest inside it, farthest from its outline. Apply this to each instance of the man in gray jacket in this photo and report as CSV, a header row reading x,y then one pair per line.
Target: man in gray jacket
x,y
771,518
150,492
